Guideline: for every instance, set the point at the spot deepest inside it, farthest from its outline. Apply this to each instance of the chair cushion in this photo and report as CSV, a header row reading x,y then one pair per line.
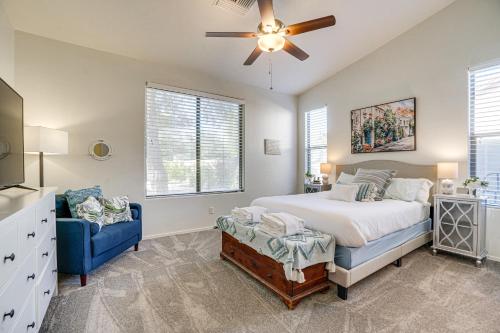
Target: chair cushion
x,y
113,235
62,208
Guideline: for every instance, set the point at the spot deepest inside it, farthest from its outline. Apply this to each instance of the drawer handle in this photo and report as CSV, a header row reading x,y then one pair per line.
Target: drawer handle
x,y
269,275
53,238
45,254
32,325
8,314
31,235
11,257
44,221
46,292
54,271
32,276
52,210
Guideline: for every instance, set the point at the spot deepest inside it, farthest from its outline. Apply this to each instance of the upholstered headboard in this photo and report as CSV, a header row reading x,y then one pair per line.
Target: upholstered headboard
x,y
404,170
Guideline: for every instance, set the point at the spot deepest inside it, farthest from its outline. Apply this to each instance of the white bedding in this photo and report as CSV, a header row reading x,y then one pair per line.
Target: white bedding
x,y
353,224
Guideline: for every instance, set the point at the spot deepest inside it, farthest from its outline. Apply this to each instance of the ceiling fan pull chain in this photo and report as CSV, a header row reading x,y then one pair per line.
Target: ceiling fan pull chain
x,y
270,72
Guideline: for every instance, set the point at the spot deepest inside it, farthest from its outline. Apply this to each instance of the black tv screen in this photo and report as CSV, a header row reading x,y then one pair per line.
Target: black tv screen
x,y
11,137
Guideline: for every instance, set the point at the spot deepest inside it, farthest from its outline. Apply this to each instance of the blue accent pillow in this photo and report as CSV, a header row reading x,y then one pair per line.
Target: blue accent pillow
x,y
77,197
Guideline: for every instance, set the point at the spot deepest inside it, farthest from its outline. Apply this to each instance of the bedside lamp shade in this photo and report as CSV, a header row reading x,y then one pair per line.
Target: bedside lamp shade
x,y
325,168
447,170
39,139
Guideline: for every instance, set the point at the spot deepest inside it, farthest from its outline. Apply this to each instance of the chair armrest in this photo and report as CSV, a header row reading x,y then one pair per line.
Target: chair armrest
x,y
138,207
73,246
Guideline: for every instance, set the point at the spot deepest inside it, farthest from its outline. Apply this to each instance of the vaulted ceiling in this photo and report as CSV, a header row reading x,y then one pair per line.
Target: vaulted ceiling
x,y
172,32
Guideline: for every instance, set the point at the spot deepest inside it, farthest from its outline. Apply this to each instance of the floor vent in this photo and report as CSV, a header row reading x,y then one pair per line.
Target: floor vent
x,y
240,7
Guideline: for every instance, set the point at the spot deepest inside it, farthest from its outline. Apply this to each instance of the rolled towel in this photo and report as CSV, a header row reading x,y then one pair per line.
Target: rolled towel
x,y
246,214
283,223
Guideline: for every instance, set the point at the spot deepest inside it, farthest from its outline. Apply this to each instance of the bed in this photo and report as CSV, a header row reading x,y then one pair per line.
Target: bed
x,y
370,235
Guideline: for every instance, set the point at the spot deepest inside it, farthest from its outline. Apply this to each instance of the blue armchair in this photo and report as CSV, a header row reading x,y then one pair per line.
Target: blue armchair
x,y
81,247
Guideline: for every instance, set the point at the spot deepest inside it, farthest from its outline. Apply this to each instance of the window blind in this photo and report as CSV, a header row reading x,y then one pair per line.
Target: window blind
x,y
484,128
315,140
194,142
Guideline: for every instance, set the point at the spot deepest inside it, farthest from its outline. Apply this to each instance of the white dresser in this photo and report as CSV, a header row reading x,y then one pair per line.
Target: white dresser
x,y
28,258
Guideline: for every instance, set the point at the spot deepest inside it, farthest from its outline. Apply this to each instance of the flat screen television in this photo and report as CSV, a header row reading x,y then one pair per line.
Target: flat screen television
x,y
11,137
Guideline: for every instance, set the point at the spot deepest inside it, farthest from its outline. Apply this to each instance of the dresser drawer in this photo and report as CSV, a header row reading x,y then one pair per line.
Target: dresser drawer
x,y
45,215
14,296
45,250
27,231
46,287
9,255
27,320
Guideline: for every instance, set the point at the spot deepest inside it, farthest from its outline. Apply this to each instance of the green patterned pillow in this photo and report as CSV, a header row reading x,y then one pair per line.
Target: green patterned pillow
x,y
77,197
116,209
366,192
91,210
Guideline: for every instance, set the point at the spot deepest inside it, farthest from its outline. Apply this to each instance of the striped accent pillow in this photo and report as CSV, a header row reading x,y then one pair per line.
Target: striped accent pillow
x,y
366,192
381,179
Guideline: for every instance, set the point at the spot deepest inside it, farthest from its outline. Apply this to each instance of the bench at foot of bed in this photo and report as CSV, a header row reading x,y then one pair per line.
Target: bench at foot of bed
x,y
271,274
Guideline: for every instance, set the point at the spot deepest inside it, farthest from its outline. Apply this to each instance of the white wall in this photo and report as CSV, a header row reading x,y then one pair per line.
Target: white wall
x,y
430,63
96,95
6,48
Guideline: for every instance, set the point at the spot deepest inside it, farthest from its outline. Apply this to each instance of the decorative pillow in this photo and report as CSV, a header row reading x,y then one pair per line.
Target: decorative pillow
x,y
345,178
116,209
77,197
92,211
344,192
409,189
367,192
381,179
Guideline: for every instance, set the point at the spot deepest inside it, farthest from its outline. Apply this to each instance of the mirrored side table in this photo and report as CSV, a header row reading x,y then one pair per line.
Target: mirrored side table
x,y
460,226
313,188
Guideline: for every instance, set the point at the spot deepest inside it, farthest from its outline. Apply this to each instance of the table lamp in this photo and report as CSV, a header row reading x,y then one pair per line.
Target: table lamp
x,y
325,169
44,140
446,172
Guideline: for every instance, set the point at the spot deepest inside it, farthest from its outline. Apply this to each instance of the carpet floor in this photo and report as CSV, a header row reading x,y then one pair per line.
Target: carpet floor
x,y
179,284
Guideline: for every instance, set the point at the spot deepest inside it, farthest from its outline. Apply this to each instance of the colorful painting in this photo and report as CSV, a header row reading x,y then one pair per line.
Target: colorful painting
x,y
384,128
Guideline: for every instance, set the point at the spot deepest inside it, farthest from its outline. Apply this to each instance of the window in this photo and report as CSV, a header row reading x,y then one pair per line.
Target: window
x,y
484,128
194,142
315,140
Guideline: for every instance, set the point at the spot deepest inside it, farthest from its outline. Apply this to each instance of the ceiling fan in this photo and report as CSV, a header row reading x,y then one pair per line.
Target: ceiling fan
x,y
272,33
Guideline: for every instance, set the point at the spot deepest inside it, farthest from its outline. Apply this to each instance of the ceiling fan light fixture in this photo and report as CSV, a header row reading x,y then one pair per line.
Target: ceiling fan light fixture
x,y
271,42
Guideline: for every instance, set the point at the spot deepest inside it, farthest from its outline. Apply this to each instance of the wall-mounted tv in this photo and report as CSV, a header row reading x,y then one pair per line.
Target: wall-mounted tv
x,y
11,137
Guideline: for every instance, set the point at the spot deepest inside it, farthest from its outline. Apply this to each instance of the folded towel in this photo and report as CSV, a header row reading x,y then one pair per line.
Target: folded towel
x,y
282,224
247,214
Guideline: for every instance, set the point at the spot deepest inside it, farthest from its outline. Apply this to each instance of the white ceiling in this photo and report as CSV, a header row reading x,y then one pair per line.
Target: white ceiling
x,y
172,32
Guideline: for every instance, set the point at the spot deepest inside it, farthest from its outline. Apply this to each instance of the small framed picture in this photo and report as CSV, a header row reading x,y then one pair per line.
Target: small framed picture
x,y
462,190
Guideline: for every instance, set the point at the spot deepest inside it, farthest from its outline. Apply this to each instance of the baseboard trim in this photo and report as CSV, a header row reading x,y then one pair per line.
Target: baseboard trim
x,y
493,258
180,232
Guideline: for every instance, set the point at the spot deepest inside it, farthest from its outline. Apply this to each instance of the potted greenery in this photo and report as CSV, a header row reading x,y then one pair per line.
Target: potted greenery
x,y
308,177
474,183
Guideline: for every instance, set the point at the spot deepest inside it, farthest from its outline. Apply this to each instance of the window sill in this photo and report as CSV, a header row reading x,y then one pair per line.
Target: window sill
x,y
191,195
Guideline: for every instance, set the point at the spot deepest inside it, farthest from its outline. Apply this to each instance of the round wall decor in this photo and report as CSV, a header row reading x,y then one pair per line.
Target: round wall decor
x,y
100,150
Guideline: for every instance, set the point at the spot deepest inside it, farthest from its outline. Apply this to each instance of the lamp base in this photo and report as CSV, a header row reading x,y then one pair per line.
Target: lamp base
x,y
447,187
325,179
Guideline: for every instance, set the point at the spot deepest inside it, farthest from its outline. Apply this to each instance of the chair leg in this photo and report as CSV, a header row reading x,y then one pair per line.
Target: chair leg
x,y
136,247
83,280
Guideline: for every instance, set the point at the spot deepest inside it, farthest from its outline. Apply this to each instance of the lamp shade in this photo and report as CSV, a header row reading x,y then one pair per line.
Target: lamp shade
x,y
39,139
447,170
325,168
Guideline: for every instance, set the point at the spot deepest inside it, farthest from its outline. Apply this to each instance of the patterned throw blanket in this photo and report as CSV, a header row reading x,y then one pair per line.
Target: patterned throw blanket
x,y
294,252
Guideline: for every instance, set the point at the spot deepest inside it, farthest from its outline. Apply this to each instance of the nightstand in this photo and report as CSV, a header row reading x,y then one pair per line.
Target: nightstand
x,y
313,188
460,226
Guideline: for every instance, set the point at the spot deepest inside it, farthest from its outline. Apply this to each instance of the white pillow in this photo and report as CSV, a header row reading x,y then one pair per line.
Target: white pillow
x,y
409,189
344,192
345,178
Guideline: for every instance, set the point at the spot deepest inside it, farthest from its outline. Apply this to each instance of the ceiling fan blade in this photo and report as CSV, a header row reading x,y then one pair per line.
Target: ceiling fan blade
x,y
255,54
320,23
266,12
231,34
295,50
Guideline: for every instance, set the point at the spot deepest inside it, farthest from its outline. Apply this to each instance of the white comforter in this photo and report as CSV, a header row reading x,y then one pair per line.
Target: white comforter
x,y
352,223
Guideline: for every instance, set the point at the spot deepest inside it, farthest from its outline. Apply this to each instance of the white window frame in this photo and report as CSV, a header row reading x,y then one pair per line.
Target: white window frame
x,y
200,94
473,137
308,148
